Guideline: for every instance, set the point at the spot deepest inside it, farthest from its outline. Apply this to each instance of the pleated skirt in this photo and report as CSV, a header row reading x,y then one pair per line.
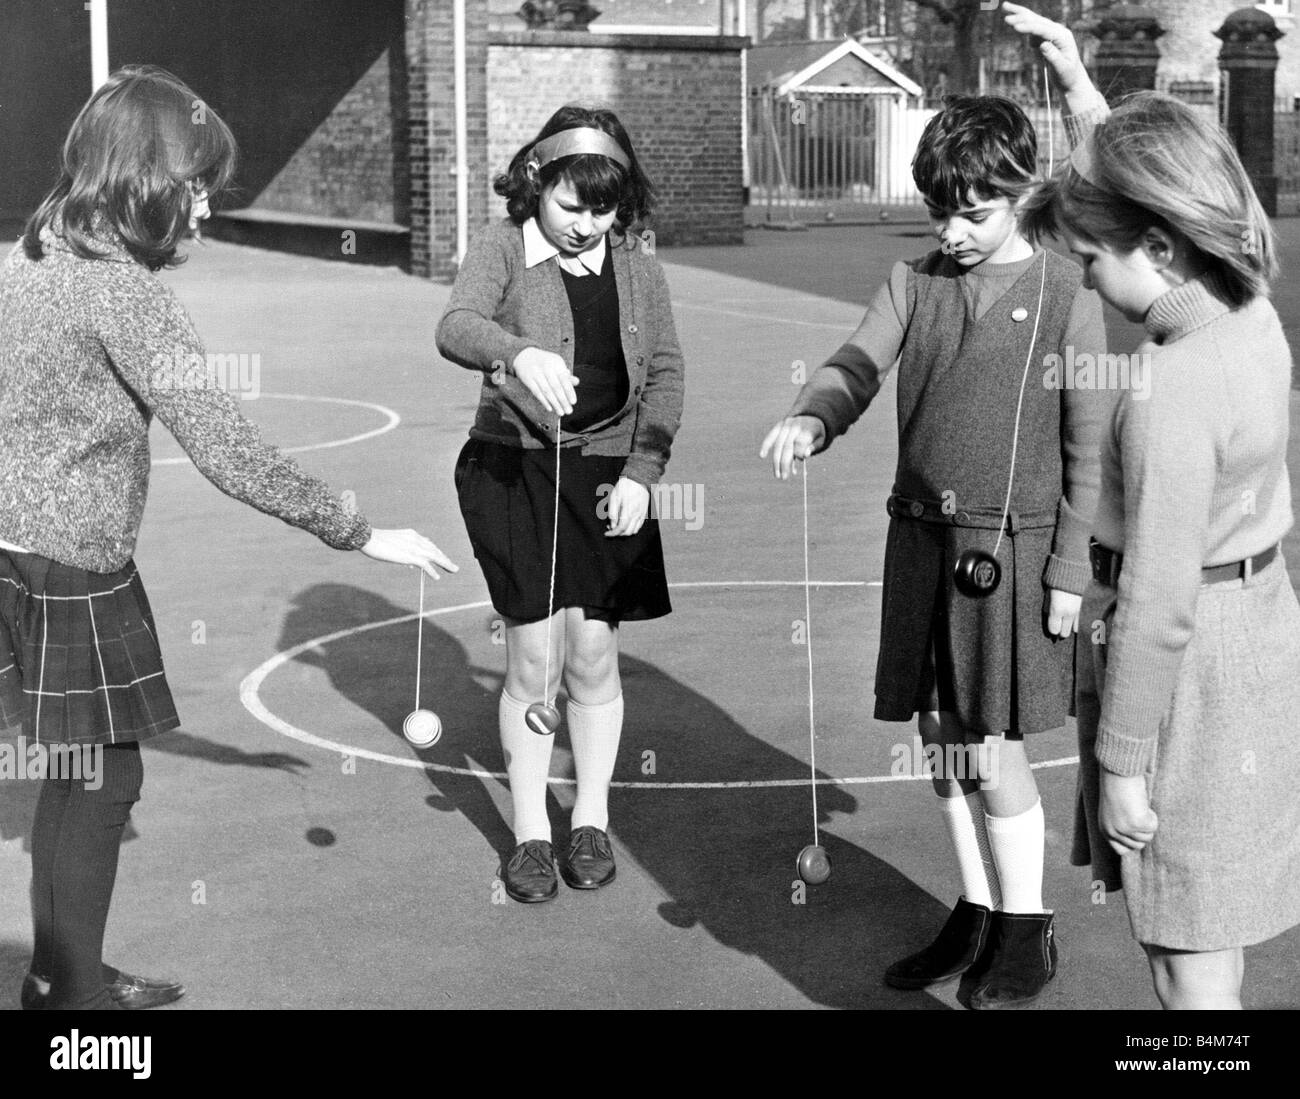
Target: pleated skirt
x,y
79,655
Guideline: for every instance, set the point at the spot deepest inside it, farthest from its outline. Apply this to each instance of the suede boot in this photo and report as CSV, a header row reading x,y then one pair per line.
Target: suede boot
x,y
951,954
1019,959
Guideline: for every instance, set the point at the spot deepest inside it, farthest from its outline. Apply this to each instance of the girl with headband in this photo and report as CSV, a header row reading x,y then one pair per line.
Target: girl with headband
x,y
1190,682
92,344
566,314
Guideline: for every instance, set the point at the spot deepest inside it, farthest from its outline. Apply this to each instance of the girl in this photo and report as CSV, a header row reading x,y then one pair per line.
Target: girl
x,y
986,449
1189,690
92,346
567,316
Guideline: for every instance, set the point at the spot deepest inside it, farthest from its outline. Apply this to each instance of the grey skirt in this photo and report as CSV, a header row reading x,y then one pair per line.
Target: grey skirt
x,y
1223,870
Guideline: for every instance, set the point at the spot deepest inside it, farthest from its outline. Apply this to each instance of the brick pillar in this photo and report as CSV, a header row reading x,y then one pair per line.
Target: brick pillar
x,y
1127,57
1248,61
431,61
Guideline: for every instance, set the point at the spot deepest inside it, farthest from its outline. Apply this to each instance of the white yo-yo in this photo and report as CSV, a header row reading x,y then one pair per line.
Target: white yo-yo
x,y
422,728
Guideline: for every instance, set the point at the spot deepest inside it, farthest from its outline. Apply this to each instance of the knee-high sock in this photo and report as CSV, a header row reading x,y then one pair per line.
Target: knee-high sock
x,y
1017,844
595,732
979,876
84,873
528,764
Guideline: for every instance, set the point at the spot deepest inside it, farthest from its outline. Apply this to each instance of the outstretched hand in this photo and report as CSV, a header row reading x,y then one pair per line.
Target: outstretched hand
x,y
793,439
408,547
1056,44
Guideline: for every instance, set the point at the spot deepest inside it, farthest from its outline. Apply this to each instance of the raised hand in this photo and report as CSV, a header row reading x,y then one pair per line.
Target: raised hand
x,y
1057,46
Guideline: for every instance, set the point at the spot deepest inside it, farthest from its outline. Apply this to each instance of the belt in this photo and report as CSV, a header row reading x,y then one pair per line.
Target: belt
x,y
1106,565
935,511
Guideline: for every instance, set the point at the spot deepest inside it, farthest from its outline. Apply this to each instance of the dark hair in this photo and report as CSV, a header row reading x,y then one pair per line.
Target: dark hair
x,y
134,148
600,183
984,144
1159,164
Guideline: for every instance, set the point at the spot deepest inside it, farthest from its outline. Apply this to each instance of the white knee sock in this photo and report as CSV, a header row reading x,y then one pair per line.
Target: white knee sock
x,y
1017,844
594,732
979,876
528,764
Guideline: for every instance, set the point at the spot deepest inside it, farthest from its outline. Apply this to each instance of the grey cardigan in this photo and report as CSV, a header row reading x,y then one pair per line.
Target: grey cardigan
x,y
499,307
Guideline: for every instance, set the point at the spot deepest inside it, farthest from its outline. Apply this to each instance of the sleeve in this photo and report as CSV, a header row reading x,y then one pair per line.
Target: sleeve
x,y
842,388
1081,115
467,334
1168,453
659,412
1084,414
151,342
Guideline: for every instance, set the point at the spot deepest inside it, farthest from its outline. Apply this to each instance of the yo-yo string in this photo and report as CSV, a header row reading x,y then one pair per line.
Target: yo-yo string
x,y
1033,339
419,641
555,538
807,619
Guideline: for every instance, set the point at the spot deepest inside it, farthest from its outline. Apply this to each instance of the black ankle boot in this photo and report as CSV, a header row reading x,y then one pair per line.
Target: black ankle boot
x,y
1019,960
950,955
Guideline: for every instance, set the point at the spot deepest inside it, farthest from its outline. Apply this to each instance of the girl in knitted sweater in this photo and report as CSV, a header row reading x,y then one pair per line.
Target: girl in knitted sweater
x,y
92,346
1190,682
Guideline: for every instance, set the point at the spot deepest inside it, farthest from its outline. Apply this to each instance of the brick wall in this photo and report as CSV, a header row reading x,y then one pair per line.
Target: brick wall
x,y
679,99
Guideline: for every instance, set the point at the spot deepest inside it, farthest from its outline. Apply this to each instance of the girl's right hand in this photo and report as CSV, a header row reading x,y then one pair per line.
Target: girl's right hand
x,y
795,437
407,547
1058,46
547,377
1125,815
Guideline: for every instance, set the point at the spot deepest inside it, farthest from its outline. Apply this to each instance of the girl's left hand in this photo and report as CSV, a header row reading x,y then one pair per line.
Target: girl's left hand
x,y
628,505
1062,613
1126,818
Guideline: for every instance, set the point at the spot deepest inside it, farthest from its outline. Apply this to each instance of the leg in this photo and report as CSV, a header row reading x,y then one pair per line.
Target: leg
x,y
84,873
1016,829
1196,980
527,754
595,714
46,828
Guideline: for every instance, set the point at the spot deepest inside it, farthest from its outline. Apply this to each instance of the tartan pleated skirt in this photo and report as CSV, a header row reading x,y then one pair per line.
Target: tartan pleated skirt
x,y
1223,870
79,655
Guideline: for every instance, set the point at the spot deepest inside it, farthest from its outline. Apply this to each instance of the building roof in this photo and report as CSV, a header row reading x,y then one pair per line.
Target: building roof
x,y
835,64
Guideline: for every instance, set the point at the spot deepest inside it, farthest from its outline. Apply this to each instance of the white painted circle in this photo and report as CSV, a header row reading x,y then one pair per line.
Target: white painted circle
x,y
392,419
251,684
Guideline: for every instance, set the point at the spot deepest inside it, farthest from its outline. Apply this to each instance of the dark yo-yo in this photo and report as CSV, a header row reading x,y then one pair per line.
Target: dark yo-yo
x,y
542,718
814,865
977,573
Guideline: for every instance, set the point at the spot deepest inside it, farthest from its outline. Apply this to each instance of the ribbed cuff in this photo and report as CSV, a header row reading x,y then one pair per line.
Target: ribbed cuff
x,y
1123,755
1065,575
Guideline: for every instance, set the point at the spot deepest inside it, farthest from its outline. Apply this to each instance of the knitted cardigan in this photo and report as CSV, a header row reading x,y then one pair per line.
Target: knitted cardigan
x,y
499,307
90,351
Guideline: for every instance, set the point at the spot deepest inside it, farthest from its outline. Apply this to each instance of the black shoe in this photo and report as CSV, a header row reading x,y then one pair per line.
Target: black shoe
x,y
950,955
590,862
128,992
1020,958
529,872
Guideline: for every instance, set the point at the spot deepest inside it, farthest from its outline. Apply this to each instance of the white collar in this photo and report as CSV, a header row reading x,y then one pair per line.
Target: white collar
x,y
537,249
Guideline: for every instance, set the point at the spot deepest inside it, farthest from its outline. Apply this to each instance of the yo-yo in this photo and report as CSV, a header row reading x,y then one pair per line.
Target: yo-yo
x,y
422,728
977,573
814,865
542,718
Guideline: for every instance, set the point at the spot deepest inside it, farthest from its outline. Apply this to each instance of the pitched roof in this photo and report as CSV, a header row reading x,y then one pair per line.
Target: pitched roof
x,y
789,65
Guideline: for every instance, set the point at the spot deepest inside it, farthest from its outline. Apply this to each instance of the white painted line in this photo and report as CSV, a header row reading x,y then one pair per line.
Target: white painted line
x,y
835,327
251,685
393,419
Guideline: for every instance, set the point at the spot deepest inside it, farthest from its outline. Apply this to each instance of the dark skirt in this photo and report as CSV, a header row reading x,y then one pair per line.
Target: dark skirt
x,y
996,668
79,655
507,497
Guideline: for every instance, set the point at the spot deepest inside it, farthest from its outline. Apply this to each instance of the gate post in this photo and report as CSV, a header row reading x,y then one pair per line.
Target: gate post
x,y
1248,61
1127,56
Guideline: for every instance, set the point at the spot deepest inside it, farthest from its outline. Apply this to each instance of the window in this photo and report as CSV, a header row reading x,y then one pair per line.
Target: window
x,y
1276,8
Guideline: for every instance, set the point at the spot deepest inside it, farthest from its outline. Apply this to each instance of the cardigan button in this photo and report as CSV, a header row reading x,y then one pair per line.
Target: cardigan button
x,y
962,517
636,390
640,359
632,328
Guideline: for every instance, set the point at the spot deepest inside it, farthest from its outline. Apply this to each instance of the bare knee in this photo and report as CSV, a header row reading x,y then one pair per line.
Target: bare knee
x,y
1186,981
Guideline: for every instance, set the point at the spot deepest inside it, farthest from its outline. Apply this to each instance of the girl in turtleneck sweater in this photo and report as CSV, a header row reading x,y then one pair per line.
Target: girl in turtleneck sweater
x,y
1189,688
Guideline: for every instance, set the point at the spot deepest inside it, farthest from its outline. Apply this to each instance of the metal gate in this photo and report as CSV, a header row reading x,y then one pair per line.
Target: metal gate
x,y
817,156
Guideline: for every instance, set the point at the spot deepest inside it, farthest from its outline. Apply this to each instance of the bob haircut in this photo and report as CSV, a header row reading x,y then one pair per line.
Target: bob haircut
x,y
133,151
1159,164
983,144
600,183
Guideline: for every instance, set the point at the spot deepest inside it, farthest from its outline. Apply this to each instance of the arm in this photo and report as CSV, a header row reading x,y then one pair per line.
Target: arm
x,y
1084,104
467,334
659,411
1167,447
1084,414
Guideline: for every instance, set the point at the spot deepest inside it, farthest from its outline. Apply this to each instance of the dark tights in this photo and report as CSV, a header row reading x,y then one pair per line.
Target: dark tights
x,y
75,840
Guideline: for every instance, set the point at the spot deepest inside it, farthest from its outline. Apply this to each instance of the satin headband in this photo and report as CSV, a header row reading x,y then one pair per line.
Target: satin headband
x,y
574,142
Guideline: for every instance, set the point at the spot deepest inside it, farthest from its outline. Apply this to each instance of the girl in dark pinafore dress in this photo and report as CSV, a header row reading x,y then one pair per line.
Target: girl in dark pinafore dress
x,y
976,327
